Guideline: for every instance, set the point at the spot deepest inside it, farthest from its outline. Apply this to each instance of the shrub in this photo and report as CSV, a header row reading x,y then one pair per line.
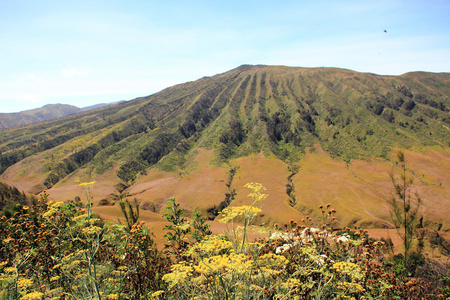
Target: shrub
x,y
63,251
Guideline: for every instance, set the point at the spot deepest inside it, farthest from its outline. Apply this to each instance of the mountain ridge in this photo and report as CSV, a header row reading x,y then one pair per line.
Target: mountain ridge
x,y
45,113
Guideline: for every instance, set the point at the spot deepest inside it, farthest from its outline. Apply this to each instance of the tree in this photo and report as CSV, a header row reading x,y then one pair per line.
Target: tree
x,y
405,207
177,231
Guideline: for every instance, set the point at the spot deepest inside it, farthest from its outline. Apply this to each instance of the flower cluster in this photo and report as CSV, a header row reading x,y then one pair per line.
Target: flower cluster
x,y
232,213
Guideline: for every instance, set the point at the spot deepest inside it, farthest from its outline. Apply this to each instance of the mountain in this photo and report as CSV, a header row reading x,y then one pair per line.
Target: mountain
x,y
45,113
311,136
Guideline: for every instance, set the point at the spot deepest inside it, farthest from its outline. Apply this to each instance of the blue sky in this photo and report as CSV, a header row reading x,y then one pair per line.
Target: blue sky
x,y
87,52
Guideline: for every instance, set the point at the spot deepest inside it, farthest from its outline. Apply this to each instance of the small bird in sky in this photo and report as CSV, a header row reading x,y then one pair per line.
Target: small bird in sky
x,y
385,31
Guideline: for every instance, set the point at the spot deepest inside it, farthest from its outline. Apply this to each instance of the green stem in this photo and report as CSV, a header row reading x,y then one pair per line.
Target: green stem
x,y
244,237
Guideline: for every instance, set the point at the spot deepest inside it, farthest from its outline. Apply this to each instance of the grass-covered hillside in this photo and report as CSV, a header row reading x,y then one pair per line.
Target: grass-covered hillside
x,y
310,136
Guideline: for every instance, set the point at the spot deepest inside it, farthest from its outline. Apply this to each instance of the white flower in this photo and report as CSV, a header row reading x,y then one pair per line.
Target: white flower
x,y
314,230
283,248
342,239
322,259
282,235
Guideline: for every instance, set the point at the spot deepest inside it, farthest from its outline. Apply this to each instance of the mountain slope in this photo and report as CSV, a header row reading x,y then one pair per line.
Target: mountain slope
x,y
276,117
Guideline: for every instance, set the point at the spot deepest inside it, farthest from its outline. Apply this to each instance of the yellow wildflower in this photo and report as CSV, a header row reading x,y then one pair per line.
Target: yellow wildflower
x,y
345,267
49,213
255,287
24,282
238,263
352,287
183,226
254,186
91,229
231,213
116,273
75,262
7,278
32,295
111,280
256,189
57,204
93,220
56,291
157,294
272,264
212,244
10,270
77,218
180,272
348,268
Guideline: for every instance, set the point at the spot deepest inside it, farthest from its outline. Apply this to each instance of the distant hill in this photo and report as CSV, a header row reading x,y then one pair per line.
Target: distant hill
x,y
45,113
340,128
100,105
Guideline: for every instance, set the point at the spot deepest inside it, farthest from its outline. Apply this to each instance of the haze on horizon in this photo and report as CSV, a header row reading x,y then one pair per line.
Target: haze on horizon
x,y
88,52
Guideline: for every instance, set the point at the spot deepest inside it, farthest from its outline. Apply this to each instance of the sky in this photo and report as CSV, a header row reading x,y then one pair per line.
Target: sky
x,y
88,52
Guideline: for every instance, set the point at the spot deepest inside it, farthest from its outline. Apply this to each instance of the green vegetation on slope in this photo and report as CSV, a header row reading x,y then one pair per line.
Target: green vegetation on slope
x,y
278,110
10,197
